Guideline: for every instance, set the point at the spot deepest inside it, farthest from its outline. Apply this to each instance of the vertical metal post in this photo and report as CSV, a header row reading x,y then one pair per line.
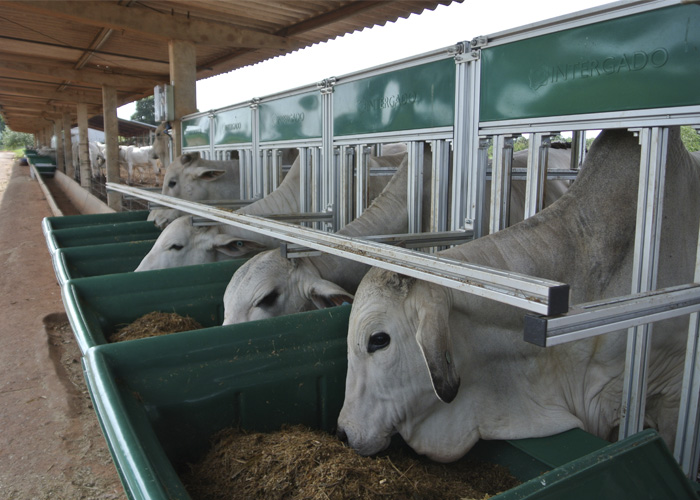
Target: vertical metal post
x,y
500,183
243,162
362,179
467,179
578,149
687,446
440,184
328,153
304,181
415,186
317,183
654,142
538,155
256,155
343,203
275,172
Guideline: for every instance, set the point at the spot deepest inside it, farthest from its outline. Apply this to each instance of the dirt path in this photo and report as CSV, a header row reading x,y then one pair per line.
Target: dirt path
x,y
51,446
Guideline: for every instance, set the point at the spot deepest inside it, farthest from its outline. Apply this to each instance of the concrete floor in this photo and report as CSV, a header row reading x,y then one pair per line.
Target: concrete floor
x,y
50,442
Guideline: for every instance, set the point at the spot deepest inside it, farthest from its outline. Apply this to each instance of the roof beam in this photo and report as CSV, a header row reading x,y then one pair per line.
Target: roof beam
x,y
94,77
169,27
69,96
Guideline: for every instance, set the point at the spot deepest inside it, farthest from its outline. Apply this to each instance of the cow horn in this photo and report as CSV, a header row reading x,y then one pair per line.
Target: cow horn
x,y
433,336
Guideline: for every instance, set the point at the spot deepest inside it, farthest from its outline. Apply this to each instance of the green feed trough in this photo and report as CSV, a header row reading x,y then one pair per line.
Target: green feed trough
x,y
159,400
101,234
69,221
98,260
98,306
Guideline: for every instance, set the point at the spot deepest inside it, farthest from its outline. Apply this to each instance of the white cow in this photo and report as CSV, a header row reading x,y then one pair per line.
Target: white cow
x,y
194,178
139,157
96,152
182,244
161,144
270,285
444,368
285,199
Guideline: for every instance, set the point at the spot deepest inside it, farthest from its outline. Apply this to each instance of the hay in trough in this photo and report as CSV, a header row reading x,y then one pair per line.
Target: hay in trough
x,y
155,323
298,463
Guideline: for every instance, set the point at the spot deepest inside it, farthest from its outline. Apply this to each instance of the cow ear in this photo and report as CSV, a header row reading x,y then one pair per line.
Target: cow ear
x,y
326,294
435,342
208,174
236,247
189,157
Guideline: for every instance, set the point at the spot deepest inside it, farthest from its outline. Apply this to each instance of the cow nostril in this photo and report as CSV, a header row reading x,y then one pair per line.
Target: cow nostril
x,y
341,435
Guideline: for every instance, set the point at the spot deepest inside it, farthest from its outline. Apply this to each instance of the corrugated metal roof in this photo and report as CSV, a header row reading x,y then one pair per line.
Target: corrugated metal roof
x,y
54,54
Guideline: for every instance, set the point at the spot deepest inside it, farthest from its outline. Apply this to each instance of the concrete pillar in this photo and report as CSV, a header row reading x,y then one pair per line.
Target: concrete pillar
x,y
109,113
84,156
183,78
68,146
58,132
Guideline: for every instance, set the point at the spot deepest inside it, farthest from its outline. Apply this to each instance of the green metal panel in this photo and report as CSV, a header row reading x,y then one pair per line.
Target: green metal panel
x,y
291,118
98,260
418,97
97,306
646,60
195,132
233,126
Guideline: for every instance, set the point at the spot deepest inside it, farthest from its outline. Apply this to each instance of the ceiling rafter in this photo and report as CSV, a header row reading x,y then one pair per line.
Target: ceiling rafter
x,y
169,27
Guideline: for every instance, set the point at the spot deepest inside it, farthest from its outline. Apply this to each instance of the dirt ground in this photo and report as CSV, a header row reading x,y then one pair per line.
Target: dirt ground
x,y
51,446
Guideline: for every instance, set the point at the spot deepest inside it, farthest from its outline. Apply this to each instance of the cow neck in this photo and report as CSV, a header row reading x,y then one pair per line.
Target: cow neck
x,y
388,214
283,200
586,237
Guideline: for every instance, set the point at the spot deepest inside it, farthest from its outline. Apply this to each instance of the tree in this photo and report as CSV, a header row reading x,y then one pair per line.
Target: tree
x,y
16,140
145,111
2,125
690,138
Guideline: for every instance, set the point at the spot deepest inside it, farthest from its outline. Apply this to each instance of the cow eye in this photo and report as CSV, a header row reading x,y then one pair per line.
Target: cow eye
x,y
268,300
377,341
172,184
175,246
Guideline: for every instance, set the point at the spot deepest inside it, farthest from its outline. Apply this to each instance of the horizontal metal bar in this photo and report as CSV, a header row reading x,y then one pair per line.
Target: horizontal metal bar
x,y
533,294
520,174
294,218
660,117
234,204
609,315
407,240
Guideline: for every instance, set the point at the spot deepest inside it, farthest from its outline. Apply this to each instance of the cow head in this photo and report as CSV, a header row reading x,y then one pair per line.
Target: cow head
x,y
161,144
401,369
182,244
190,177
269,285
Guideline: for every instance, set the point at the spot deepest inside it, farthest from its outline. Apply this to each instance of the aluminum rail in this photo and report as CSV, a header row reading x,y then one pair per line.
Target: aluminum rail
x,y
232,204
295,218
609,315
408,240
532,294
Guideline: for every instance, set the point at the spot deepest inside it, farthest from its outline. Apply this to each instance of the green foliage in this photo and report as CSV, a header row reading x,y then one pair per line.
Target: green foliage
x,y
15,140
145,111
690,138
2,124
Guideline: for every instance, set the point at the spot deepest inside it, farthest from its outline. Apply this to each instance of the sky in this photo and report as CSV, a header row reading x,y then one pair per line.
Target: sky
x,y
431,30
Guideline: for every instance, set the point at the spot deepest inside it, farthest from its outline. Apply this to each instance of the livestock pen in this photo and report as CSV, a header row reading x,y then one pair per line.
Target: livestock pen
x,y
458,102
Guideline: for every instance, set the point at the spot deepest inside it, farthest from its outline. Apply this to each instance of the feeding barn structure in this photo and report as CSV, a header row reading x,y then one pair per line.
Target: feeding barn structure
x,y
625,65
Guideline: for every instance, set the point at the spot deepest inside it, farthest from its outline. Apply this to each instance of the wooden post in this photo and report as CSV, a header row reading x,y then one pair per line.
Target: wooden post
x,y
58,131
111,125
183,77
83,139
68,146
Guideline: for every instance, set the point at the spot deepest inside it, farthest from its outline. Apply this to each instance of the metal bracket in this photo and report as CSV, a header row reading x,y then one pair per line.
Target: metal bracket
x,y
254,103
